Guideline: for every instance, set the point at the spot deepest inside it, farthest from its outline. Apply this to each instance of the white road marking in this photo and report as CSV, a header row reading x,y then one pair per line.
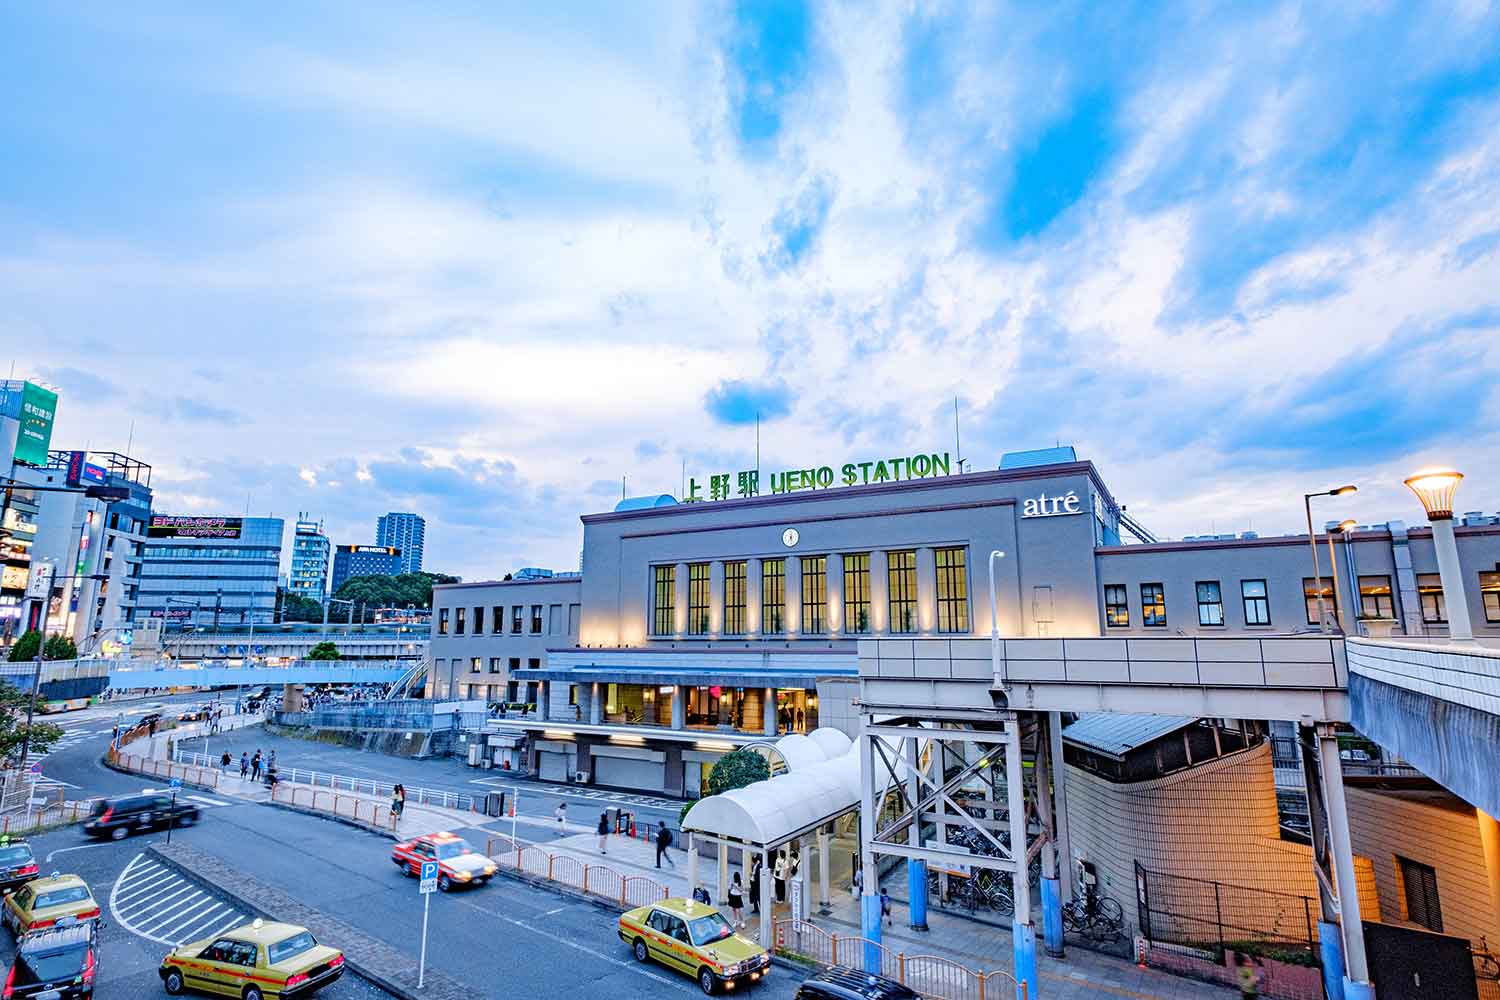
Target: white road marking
x,y
137,897
162,884
205,800
191,928
80,847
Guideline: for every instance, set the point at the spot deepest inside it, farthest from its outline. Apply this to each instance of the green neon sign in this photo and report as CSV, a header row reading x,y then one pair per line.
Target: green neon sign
x,y
746,482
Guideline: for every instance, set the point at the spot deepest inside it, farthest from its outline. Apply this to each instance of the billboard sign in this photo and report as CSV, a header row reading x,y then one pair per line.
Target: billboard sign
x,y
34,436
170,526
81,470
41,580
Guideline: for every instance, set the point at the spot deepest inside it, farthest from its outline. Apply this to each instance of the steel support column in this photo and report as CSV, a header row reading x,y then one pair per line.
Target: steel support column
x,y
1023,932
1052,925
1357,984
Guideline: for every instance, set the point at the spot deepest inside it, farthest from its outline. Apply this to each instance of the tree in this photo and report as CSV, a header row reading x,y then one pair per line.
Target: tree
x,y
737,769
373,591
13,704
324,650
296,608
26,646
59,647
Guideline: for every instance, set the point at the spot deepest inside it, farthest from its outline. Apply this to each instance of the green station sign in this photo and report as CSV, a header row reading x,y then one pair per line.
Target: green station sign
x,y
746,482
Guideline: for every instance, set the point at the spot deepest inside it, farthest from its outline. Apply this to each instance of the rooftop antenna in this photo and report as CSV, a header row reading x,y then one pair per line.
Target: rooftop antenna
x,y
683,486
757,451
130,439
957,445
622,487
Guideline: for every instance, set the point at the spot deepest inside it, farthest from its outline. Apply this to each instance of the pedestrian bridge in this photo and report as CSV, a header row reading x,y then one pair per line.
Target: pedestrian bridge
x,y
84,678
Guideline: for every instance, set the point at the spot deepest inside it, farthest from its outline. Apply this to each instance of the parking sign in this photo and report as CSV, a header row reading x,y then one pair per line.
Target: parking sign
x,y
429,877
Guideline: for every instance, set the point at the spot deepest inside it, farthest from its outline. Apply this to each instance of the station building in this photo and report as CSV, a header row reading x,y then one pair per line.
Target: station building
x,y
697,627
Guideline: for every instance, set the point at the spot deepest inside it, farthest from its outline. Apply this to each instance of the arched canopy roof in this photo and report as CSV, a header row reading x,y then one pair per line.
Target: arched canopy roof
x,y
646,502
814,790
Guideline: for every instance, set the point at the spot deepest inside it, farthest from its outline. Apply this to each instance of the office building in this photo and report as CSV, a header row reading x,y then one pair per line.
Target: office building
x,y
205,570
27,411
407,532
91,550
364,560
310,549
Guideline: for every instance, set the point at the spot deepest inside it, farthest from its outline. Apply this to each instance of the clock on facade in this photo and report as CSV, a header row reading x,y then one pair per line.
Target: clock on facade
x,y
789,537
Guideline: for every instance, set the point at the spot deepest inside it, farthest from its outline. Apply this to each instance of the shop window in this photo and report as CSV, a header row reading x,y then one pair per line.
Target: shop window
x,y
536,619
1116,606
734,597
517,613
1311,588
901,575
814,595
458,621
773,596
442,621
857,593
1210,602
664,607
1256,601
698,598
1375,598
1153,604
1430,593
1489,592
952,590
1420,884
497,619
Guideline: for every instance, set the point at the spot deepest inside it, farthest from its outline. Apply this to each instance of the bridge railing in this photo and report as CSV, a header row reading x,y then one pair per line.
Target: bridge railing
x,y
337,782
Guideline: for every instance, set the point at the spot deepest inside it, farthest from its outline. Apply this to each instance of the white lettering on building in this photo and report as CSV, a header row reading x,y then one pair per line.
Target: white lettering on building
x,y
1060,505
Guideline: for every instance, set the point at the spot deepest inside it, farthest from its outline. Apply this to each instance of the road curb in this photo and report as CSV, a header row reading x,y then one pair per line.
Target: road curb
x,y
366,957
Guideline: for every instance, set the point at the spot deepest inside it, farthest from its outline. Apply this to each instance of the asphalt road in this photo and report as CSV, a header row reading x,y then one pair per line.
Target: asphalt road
x,y
507,939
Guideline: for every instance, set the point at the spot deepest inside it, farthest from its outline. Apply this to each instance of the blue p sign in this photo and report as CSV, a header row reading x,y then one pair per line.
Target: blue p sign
x,y
429,869
176,782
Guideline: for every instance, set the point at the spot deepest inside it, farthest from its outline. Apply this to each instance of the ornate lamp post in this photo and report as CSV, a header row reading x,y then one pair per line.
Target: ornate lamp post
x,y
1435,490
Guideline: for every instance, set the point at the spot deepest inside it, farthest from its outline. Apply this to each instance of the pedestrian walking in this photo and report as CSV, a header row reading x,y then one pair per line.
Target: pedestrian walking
x,y
700,895
225,759
663,841
1248,975
273,759
604,833
857,887
114,737
561,812
151,728
778,873
244,765
255,767
755,886
737,901
885,905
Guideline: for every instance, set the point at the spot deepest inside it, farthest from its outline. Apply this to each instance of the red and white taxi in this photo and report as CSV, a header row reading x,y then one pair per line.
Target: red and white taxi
x,y
458,863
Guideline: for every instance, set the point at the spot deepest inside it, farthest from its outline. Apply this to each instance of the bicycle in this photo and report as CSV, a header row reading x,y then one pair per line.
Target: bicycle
x,y
1094,916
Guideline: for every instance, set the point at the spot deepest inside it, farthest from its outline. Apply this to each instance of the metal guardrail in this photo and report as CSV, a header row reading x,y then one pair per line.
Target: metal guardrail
x,y
155,767
626,891
374,815
341,782
932,976
413,715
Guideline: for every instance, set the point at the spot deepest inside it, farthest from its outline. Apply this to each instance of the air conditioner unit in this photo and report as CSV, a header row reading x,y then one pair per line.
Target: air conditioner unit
x,y
580,777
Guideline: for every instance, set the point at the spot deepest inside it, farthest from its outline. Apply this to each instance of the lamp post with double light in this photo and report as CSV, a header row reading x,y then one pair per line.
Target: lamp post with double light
x,y
1312,541
1435,490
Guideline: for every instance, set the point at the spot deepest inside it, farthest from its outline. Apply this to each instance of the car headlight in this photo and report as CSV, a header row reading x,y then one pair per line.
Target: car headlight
x,y
465,876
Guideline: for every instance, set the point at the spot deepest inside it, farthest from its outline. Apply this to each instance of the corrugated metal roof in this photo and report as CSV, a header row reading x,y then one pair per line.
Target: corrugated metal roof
x,y
1117,734
1038,456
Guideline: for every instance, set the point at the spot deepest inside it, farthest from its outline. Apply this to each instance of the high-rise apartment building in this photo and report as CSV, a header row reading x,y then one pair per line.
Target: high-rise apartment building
x,y
405,532
309,576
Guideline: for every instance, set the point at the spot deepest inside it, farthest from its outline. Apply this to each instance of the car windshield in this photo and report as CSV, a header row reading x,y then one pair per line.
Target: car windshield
x,y
55,964
18,855
451,849
100,807
57,897
706,930
290,947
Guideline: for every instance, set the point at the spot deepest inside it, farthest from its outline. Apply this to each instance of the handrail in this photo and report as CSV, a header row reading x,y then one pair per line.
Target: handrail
x,y
623,890
933,976
356,786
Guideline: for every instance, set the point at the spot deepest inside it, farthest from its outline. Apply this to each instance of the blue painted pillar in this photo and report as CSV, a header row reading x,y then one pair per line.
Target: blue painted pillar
x,y
1024,946
1331,951
916,890
1052,924
869,922
1358,991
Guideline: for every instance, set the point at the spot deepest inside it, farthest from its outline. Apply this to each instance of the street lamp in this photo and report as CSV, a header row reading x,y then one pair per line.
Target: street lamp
x,y
994,619
1333,570
1435,490
1312,541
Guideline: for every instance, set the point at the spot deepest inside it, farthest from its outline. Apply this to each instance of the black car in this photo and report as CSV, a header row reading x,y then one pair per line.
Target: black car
x,y
56,963
119,818
17,864
843,983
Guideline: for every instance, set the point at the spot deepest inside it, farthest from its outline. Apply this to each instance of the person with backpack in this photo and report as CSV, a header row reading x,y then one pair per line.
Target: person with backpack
x,y
663,841
604,833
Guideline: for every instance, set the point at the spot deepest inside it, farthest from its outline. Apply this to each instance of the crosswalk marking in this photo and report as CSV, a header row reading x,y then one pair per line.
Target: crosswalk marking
x,y
205,800
155,903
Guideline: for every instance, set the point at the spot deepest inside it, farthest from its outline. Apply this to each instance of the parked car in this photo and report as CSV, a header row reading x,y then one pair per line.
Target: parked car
x,y
58,964
695,939
55,901
844,983
119,818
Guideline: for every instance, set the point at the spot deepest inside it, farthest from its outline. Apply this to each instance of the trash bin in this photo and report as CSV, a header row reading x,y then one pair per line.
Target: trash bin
x,y
494,804
474,751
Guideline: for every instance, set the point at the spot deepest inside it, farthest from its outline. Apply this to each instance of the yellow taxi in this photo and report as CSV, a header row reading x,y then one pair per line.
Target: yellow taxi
x,y
696,939
458,863
260,959
54,901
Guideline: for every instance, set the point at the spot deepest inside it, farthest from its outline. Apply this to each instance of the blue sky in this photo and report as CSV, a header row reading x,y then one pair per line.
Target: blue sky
x,y
354,258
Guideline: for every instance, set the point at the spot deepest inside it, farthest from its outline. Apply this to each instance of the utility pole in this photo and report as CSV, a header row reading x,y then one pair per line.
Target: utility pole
x,y
218,604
